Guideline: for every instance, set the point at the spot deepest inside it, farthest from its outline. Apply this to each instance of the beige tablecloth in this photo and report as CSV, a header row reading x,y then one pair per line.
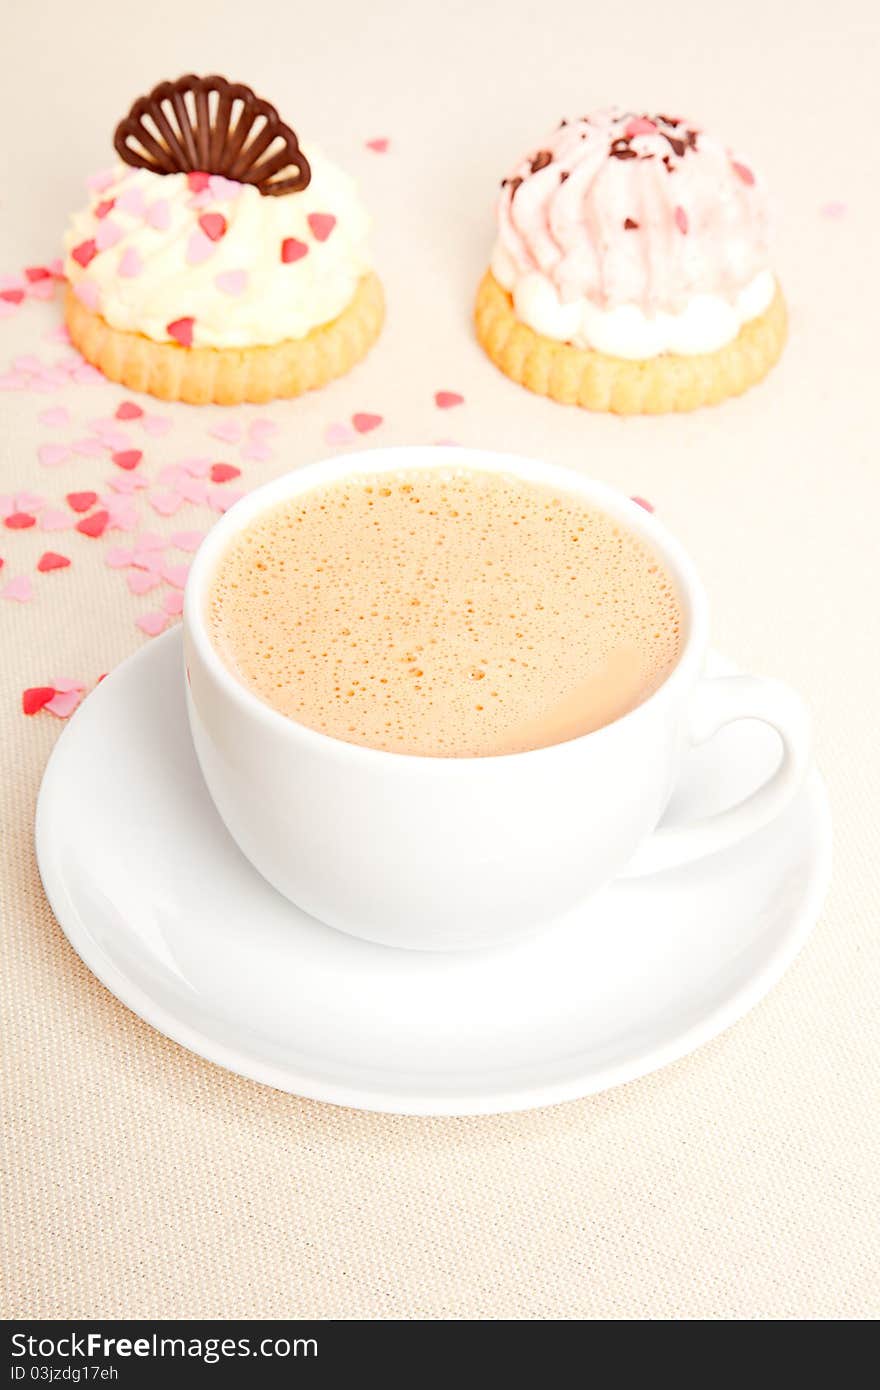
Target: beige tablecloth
x,y
741,1182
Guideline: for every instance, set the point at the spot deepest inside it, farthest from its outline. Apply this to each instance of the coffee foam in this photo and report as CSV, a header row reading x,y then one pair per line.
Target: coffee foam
x,y
445,613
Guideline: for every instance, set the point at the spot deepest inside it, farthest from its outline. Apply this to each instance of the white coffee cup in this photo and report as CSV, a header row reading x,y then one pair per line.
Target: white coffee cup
x,y
447,853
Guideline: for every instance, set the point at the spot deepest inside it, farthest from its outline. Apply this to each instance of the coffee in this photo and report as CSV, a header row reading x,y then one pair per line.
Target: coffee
x,y
444,613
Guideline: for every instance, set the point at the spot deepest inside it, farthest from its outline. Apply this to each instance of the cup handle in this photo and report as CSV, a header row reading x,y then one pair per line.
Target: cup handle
x,y
718,701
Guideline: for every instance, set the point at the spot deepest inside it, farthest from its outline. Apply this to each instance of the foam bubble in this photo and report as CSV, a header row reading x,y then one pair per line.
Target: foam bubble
x,y
445,613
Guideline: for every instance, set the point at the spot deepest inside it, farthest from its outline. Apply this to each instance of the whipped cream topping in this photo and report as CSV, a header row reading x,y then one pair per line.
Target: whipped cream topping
x,y
634,235
207,262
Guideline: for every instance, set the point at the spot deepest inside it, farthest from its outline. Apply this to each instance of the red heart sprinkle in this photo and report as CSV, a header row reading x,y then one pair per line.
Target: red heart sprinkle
x,y
182,329
363,422
223,472
322,224
51,560
85,252
213,224
36,698
12,296
104,207
128,411
127,458
37,272
293,250
81,501
446,399
198,181
744,172
681,220
380,146
93,525
20,521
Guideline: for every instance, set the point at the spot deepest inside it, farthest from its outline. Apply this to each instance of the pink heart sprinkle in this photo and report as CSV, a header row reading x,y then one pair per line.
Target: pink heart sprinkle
x,y
214,225
196,468
100,182
228,430
639,125
380,146
232,282
262,428
127,483
681,220
132,201
87,293
321,224
170,475
221,499
118,557
156,425
88,448
256,452
55,415
147,560
198,248
64,702
364,422
743,172
292,250
151,541
20,589
29,501
176,575
128,411
193,490
141,581
53,519
166,503
130,263
107,235
338,434
50,455
223,190
173,604
152,623
445,400
158,215
64,685
187,540
181,330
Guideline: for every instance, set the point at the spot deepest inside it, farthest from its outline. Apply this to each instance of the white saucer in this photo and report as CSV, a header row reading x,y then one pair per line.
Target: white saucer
x,y
159,903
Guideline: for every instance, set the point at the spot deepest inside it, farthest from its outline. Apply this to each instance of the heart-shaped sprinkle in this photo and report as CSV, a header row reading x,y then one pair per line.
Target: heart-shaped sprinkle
x,y
262,428
445,400
223,190
94,525
379,146
214,225
173,604
20,521
119,557
87,293
19,590
642,502
743,172
53,519
321,224
51,560
36,698
175,575
142,581
181,330
227,430
55,415
101,210
64,702
128,411
639,125
166,503
292,250
127,458
130,263
256,451
132,201
158,215
681,220
107,235
152,623
338,434
81,501
100,182
157,425
191,490
221,498
35,273
364,422
232,282
12,296
198,248
50,455
85,252
224,472
187,540
198,181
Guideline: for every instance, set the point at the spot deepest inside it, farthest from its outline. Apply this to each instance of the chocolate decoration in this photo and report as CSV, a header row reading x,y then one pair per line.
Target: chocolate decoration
x,y
211,126
541,160
630,225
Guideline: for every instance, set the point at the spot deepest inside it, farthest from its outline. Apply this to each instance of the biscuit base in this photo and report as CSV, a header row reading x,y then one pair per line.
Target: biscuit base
x,y
595,381
230,376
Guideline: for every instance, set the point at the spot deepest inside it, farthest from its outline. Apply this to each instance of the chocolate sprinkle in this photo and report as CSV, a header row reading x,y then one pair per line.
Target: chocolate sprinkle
x,y
630,226
563,175
541,160
513,186
620,149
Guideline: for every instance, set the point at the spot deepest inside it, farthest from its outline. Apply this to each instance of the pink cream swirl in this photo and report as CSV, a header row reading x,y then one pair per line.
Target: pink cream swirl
x,y
617,209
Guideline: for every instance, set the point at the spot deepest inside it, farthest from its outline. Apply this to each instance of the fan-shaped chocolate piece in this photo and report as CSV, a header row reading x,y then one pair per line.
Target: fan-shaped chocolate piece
x,y
212,126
